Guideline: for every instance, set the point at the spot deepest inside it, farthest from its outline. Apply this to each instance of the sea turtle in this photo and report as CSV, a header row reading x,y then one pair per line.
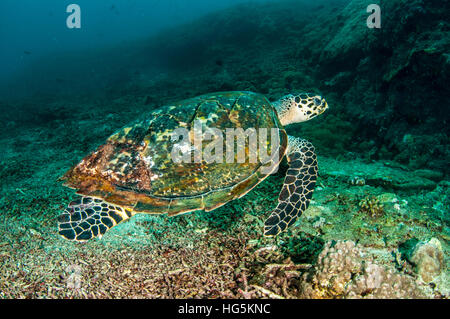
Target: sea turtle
x,y
135,171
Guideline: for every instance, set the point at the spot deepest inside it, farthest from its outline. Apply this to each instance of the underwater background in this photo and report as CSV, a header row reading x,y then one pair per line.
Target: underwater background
x,y
378,224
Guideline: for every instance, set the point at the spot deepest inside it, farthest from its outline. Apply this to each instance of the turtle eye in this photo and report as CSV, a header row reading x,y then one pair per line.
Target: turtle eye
x,y
317,101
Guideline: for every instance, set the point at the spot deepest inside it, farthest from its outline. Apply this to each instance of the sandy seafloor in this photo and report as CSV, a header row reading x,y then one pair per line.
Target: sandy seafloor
x,y
376,228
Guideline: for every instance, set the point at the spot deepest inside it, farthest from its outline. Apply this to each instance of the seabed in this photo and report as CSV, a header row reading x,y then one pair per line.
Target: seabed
x,y
379,212
378,223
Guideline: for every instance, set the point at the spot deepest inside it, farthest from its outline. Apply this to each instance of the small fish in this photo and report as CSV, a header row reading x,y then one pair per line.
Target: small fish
x,y
27,52
114,9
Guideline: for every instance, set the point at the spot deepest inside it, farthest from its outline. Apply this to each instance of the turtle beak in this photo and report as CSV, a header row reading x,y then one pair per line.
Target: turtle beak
x,y
323,106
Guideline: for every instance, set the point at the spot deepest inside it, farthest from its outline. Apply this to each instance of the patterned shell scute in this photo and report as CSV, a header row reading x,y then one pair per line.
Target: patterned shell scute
x,y
134,167
219,111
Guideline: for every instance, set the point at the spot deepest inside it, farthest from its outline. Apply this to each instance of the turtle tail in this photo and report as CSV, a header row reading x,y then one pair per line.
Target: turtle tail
x,y
89,217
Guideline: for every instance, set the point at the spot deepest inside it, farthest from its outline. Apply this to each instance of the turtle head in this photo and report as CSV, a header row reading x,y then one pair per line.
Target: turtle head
x,y
295,108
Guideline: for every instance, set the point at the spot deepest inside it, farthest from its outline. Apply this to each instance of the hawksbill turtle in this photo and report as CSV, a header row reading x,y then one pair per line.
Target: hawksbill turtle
x,y
134,172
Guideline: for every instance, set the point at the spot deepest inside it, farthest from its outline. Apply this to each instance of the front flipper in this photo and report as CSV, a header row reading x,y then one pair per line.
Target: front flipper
x,y
297,189
88,217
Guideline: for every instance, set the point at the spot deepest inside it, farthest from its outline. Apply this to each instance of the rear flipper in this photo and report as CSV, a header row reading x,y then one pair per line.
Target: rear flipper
x,y
297,189
88,217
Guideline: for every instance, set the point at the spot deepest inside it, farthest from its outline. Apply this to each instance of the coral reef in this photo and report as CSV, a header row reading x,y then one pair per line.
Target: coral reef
x,y
343,270
395,70
428,258
371,206
383,159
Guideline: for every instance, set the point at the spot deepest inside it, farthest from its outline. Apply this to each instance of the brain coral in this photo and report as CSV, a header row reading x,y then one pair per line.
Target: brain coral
x,y
429,259
342,271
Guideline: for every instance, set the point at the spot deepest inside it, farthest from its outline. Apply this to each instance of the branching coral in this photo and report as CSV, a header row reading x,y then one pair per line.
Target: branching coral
x,y
269,274
371,206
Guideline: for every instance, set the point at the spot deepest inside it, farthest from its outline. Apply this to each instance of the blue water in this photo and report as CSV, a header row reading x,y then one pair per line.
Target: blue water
x,y
31,29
